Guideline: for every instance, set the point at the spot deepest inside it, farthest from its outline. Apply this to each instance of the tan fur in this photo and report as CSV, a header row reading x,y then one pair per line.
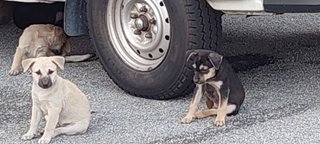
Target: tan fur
x,y
212,72
205,113
39,40
193,108
213,111
65,107
221,113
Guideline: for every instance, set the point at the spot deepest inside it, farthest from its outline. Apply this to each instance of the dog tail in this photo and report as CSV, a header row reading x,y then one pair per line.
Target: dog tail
x,y
78,58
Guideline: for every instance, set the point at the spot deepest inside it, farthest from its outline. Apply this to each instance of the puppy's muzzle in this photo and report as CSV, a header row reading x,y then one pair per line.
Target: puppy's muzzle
x,y
45,82
198,79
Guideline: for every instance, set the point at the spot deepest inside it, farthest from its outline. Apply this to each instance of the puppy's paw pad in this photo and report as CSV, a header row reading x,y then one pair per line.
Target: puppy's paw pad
x,y
44,140
14,72
28,136
219,122
186,120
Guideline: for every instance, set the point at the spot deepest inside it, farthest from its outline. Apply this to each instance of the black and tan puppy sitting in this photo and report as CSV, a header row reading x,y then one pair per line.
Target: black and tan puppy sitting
x,y
215,79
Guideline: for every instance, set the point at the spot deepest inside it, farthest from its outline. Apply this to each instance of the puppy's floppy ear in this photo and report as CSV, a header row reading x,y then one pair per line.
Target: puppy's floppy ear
x,y
28,63
66,48
215,60
191,58
63,38
59,61
191,55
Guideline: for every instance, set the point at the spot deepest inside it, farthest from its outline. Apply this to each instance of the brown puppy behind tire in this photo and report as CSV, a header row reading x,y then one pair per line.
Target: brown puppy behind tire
x,y
43,40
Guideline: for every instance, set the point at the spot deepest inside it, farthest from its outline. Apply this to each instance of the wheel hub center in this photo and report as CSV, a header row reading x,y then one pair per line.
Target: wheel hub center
x,y
142,23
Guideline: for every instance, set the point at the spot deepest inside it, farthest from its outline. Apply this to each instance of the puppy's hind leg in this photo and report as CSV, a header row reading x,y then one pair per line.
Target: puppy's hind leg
x,y
72,129
205,113
210,112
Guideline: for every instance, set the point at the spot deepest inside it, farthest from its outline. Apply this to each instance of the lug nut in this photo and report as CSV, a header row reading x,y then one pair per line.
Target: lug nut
x,y
133,15
153,21
148,35
143,9
137,32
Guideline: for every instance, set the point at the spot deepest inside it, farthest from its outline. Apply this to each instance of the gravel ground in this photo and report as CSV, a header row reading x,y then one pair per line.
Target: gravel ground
x,y
276,58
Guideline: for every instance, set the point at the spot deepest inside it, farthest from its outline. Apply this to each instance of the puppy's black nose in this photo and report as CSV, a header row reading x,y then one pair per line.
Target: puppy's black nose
x,y
196,78
45,82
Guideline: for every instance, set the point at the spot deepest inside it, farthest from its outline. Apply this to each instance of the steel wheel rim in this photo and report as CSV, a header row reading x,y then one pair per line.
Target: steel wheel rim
x,y
139,31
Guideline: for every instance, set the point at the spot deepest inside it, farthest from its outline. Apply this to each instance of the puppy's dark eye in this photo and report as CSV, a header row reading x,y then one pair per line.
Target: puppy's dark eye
x,y
204,71
56,52
38,72
50,72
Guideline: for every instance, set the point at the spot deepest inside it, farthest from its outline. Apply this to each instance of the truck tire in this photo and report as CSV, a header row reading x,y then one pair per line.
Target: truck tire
x,y
142,44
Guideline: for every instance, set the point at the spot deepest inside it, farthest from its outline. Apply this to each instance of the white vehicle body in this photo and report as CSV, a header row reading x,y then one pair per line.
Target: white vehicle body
x,y
224,5
37,1
237,5
244,7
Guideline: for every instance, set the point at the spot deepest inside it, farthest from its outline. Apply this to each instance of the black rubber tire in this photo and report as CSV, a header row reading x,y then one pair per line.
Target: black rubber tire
x,y
25,14
194,25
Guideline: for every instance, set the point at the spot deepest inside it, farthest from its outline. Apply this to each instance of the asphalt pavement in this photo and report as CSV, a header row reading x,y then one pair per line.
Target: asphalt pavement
x,y
276,57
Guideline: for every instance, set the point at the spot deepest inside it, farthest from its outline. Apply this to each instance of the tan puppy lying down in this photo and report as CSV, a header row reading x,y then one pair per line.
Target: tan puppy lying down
x,y
43,40
65,107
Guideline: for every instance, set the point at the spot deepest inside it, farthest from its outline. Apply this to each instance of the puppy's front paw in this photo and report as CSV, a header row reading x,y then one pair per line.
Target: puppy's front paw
x,y
220,121
28,136
44,140
186,120
14,72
